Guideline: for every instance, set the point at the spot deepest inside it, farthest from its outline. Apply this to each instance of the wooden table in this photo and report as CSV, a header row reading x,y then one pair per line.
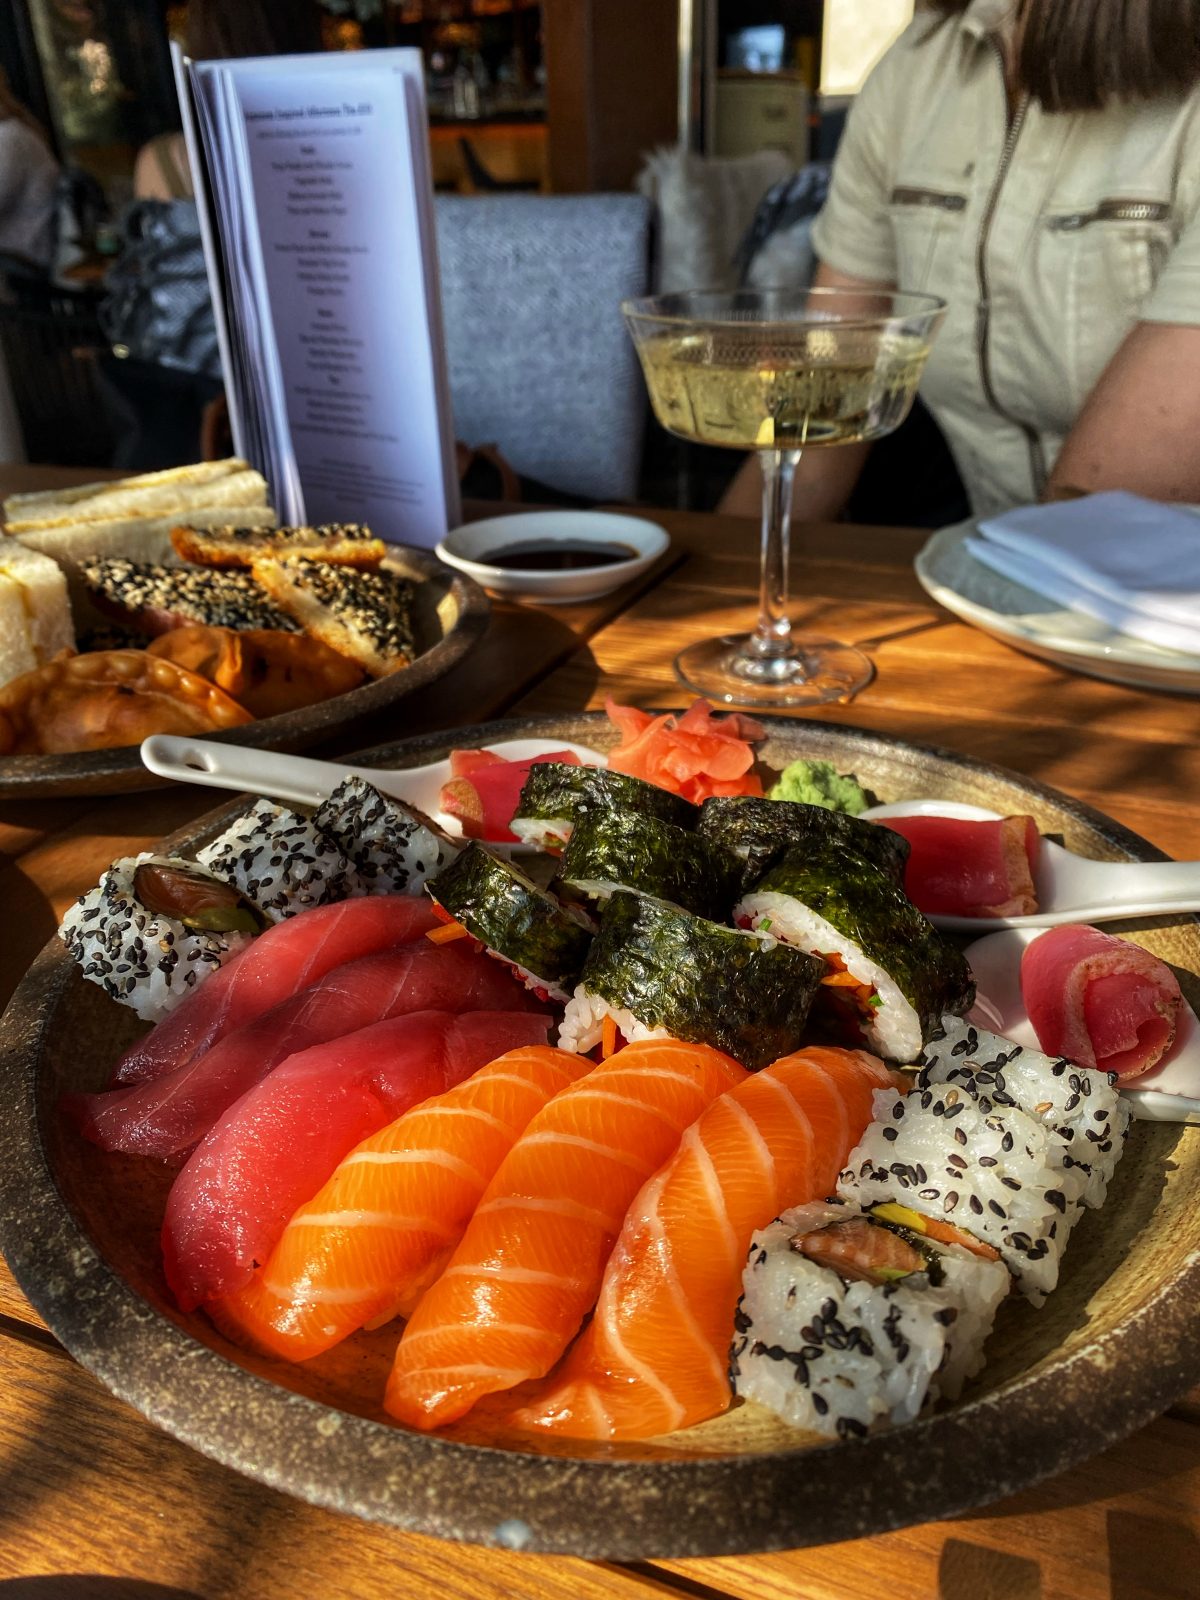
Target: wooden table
x,y
89,1488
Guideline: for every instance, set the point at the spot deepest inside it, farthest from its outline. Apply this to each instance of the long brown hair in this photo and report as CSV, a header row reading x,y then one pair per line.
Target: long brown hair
x,y
1077,55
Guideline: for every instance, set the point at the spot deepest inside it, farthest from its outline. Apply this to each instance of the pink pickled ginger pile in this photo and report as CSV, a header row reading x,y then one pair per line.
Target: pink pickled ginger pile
x,y
695,755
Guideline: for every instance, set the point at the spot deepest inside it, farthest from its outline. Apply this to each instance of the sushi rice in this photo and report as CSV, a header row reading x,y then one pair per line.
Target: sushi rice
x,y
281,861
143,959
894,1029
583,1023
393,848
841,1358
1000,1175
1085,1106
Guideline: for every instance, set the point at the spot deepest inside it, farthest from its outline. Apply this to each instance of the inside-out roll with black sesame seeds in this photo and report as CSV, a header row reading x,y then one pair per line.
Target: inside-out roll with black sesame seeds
x,y
1085,1106
847,1324
154,928
999,1178
393,847
281,861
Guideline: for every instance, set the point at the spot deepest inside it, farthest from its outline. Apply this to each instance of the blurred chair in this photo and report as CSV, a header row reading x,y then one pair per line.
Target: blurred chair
x,y
50,338
703,206
540,363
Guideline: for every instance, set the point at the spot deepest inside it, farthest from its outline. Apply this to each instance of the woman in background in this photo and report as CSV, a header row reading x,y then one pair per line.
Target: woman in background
x,y
29,177
224,30
1036,164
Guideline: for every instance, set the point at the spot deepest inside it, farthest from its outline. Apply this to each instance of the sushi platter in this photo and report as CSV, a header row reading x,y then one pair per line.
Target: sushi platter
x,y
1093,1341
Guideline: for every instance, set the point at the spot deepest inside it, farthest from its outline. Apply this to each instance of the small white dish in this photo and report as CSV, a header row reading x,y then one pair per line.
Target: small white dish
x,y
951,575
469,548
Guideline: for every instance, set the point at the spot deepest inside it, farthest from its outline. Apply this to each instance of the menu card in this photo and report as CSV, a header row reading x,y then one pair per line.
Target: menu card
x,y
316,211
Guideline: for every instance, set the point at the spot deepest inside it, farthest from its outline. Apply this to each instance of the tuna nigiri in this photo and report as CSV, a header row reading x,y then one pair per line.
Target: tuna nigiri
x,y
655,1355
279,1143
173,1112
288,957
382,1226
527,1270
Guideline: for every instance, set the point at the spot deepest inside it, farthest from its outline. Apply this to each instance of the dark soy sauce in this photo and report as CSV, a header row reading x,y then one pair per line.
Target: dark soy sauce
x,y
558,555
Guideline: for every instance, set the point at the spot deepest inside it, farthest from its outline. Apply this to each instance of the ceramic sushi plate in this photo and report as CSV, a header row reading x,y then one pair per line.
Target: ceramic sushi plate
x,y
449,618
1114,1345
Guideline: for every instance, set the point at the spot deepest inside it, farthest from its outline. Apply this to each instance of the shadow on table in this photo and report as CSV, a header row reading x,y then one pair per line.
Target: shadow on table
x,y
89,1586
975,1570
1150,1558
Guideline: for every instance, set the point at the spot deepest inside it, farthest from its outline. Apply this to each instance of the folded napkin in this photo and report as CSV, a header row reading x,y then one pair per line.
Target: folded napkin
x,y
1132,563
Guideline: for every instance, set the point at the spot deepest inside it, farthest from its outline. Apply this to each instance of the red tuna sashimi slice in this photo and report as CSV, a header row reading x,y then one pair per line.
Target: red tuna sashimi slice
x,y
1099,1000
970,869
483,793
169,1115
288,957
279,1143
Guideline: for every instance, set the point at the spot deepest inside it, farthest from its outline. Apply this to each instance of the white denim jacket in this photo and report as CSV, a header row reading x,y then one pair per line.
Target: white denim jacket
x,y
1048,234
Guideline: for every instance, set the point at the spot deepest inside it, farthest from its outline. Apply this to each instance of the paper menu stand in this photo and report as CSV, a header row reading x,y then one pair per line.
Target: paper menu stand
x,y
316,212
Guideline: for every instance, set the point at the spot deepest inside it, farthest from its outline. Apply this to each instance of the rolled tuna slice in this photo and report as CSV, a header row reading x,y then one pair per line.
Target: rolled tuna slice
x,y
657,972
393,847
280,860
514,920
999,1181
1099,1000
759,830
154,928
889,972
970,869
1085,1106
554,795
612,849
846,1325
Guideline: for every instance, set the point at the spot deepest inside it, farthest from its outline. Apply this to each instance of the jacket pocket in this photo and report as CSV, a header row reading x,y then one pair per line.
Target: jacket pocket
x,y
1108,258
928,225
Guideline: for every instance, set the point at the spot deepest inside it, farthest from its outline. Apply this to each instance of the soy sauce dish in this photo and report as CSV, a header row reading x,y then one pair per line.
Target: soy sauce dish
x,y
554,556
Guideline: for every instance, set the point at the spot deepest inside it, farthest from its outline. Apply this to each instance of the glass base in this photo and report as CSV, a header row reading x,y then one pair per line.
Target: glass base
x,y
819,671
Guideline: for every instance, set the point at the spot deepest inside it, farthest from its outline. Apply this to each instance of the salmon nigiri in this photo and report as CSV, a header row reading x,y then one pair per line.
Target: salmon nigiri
x,y
527,1270
280,1142
366,1245
654,1357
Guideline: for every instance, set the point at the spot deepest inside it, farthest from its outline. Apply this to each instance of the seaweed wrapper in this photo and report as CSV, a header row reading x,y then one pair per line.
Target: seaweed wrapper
x,y
554,792
739,992
506,911
759,830
869,909
623,849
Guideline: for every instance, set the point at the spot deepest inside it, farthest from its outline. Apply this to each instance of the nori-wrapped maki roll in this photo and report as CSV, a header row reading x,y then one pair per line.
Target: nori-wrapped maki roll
x,y
394,848
658,970
612,849
759,830
555,793
890,971
513,919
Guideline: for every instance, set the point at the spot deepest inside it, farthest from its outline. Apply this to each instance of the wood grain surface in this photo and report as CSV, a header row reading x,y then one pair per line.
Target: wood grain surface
x,y
96,1499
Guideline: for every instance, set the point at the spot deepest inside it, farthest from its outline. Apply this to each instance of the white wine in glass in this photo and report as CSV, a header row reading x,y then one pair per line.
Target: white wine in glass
x,y
780,371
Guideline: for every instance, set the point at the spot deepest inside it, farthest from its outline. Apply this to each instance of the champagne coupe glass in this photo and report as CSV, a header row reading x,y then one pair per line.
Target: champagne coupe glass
x,y
780,371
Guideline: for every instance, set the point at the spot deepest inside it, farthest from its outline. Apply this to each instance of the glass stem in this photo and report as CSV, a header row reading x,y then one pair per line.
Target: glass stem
x,y
772,636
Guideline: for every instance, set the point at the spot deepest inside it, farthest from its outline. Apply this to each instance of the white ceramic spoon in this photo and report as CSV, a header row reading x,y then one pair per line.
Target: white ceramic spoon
x,y
1071,888
306,782
1169,1092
